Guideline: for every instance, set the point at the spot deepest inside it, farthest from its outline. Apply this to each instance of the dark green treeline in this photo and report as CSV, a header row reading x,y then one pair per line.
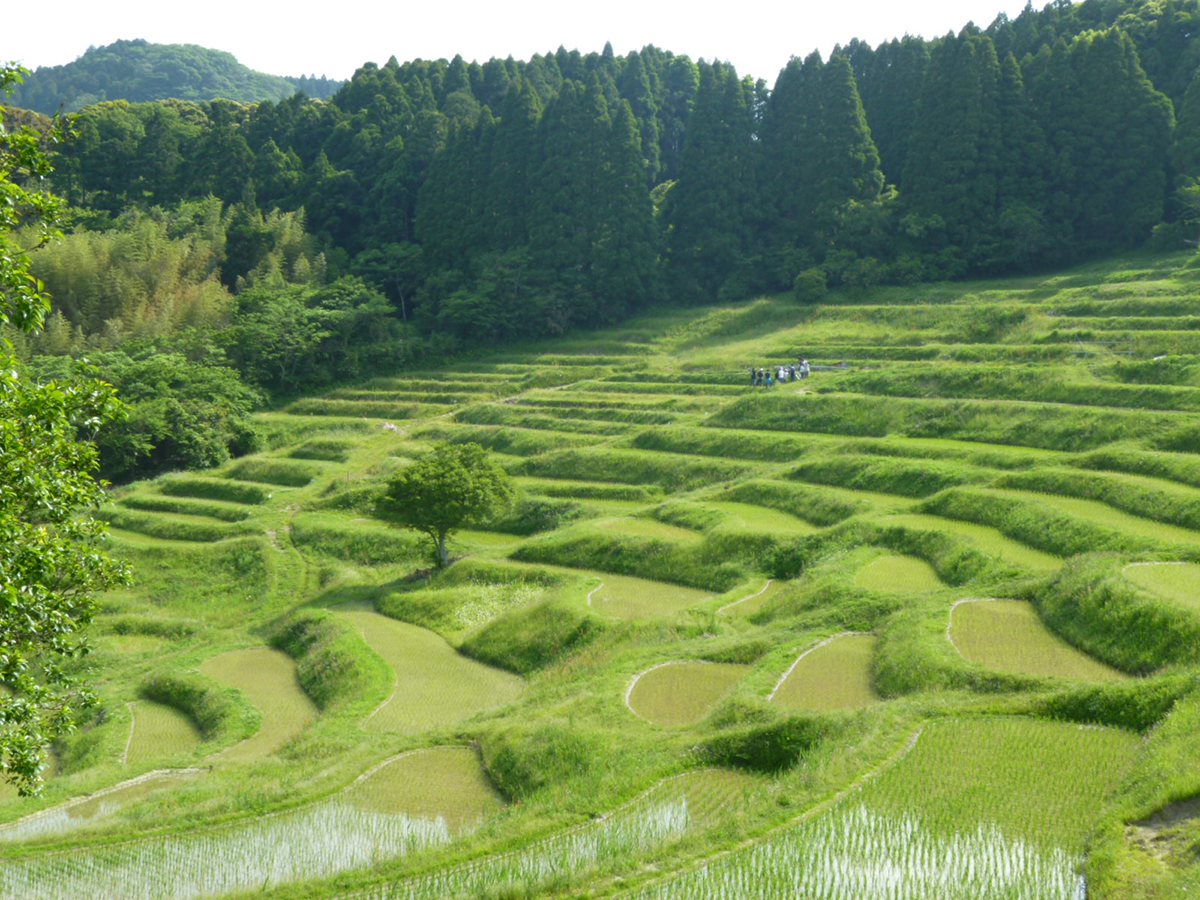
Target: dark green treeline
x,y
521,198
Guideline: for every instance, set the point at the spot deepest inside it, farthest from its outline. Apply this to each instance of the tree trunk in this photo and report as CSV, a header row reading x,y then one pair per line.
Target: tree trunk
x,y
442,558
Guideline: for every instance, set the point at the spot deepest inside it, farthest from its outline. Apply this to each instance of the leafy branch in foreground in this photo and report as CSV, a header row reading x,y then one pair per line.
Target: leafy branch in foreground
x,y
50,559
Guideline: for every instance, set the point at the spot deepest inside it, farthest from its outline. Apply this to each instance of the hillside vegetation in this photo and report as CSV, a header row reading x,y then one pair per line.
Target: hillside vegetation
x,y
732,639
140,72
519,199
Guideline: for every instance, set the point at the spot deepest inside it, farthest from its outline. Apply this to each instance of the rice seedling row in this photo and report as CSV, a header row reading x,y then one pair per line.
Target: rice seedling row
x,y
157,731
434,686
680,693
834,674
893,573
1007,635
268,679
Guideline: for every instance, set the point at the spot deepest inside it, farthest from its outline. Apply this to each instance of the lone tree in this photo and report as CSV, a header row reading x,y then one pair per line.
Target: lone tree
x,y
50,558
453,485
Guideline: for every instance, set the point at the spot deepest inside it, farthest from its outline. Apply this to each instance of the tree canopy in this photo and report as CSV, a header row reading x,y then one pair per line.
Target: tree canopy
x,y
453,485
138,71
51,563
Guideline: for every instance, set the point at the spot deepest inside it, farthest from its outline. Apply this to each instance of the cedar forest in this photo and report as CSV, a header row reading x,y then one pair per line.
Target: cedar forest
x,y
248,250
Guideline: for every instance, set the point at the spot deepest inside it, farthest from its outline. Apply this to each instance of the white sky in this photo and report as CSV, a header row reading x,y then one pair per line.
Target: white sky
x,y
302,38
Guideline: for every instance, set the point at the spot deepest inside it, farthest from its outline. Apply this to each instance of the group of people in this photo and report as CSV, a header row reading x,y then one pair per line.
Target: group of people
x,y
768,377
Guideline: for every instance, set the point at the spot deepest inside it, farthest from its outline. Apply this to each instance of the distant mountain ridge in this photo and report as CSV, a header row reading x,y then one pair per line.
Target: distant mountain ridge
x,y
140,71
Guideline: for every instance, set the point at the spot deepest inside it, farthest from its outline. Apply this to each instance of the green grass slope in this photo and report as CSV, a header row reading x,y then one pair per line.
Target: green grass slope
x,y
722,642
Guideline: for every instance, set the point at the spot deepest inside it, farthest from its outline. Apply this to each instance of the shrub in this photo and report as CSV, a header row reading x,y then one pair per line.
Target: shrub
x,y
524,760
771,747
529,639
1093,607
332,663
810,285
218,711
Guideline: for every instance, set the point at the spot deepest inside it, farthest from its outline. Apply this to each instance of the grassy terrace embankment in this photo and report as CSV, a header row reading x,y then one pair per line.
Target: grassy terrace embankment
x,y
727,639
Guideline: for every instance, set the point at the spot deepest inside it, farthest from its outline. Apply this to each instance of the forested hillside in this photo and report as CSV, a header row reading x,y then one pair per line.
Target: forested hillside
x,y
431,206
139,71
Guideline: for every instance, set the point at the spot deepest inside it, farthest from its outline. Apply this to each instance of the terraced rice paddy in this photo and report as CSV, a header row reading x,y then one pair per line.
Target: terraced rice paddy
x,y
902,574
743,516
751,603
708,793
1008,636
317,842
648,528
268,679
645,463
1177,582
94,808
1103,514
988,540
835,674
446,783
623,597
962,816
680,693
435,687
157,731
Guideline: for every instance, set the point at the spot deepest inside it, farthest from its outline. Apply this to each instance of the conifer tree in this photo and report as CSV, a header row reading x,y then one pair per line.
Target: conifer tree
x,y
1185,142
1021,234
953,164
1119,143
1109,131
789,156
624,254
847,163
710,206
558,221
512,156
890,98
680,82
635,87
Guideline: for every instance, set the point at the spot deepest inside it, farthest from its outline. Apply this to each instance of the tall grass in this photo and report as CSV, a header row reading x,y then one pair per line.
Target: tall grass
x,y
1046,427
1041,385
210,509
1094,608
211,489
631,467
365,544
1034,524
513,441
887,475
710,442
174,528
273,471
